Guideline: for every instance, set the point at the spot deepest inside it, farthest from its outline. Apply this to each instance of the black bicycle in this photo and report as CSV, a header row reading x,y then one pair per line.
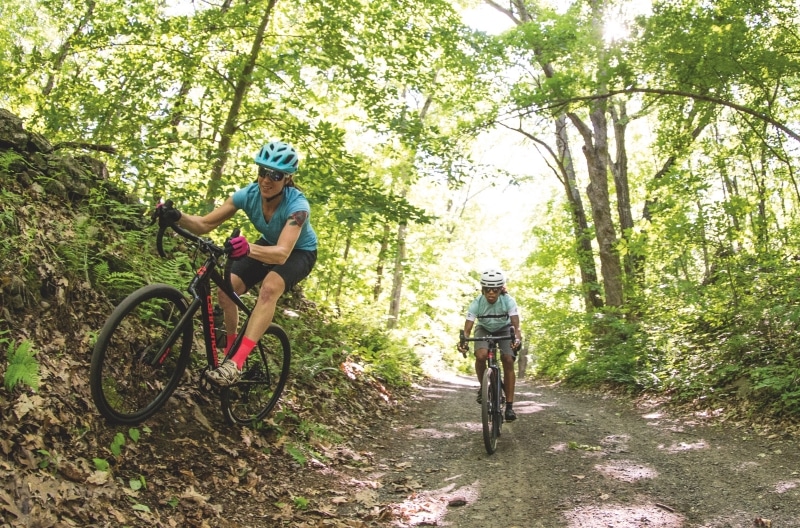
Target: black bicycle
x,y
145,346
491,389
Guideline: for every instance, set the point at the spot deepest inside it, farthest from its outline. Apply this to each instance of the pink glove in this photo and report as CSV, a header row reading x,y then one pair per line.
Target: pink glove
x,y
237,247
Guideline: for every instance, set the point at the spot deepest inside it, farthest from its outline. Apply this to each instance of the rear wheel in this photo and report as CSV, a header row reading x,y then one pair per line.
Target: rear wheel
x,y
264,376
488,405
136,365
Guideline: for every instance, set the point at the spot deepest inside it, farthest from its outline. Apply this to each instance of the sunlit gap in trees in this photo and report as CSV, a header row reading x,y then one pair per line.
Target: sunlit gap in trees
x,y
174,8
617,26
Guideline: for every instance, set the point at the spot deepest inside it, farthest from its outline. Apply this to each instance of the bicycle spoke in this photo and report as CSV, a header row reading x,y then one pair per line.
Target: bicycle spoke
x,y
263,378
129,381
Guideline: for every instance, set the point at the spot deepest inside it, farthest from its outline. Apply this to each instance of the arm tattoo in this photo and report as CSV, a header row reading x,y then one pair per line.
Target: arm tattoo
x,y
298,218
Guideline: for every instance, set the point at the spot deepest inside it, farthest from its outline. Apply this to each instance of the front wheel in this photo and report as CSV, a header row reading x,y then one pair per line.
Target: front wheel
x,y
140,354
488,411
264,375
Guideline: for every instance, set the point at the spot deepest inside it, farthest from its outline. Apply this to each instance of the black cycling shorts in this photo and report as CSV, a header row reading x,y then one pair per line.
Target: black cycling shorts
x,y
296,268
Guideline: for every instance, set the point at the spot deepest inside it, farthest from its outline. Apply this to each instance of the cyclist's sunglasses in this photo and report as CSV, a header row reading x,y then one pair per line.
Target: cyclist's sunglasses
x,y
276,176
492,290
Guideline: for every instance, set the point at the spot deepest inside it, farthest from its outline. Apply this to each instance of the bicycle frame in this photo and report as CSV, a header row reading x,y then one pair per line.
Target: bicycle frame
x,y
491,389
200,290
146,344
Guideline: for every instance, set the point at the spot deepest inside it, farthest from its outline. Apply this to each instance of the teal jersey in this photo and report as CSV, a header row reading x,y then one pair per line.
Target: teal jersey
x,y
248,200
492,317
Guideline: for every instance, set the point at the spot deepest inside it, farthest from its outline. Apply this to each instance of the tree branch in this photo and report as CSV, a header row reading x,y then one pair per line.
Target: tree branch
x,y
698,97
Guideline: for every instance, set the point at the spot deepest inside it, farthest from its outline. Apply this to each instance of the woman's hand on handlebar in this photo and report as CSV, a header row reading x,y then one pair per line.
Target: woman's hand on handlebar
x,y
166,214
237,247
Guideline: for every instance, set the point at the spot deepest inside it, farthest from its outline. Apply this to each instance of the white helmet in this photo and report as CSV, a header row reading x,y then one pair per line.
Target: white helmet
x,y
492,278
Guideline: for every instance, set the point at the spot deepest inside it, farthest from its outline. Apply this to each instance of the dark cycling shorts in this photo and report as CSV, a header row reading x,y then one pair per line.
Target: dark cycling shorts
x,y
296,268
505,346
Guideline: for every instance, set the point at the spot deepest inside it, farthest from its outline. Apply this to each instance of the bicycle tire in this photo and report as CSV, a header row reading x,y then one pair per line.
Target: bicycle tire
x,y
488,416
497,388
264,376
126,388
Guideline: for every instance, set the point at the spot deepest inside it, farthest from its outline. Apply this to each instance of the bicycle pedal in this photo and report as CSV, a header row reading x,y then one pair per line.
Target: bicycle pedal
x,y
205,383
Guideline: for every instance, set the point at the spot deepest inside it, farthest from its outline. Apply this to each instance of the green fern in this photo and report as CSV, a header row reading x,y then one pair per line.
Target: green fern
x,y
121,283
22,366
101,271
9,158
175,271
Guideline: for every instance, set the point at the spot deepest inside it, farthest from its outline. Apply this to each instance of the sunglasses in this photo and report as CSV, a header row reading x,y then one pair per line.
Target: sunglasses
x,y
276,176
491,290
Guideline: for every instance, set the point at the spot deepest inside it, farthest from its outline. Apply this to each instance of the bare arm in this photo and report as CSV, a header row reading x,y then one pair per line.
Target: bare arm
x,y
468,327
517,343
278,253
200,225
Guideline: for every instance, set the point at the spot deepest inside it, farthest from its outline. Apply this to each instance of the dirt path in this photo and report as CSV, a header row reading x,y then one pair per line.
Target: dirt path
x,y
572,461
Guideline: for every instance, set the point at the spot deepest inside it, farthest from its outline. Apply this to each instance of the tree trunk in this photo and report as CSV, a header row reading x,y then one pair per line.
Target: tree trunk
x,y
229,129
619,169
518,12
378,288
397,281
595,149
345,256
61,55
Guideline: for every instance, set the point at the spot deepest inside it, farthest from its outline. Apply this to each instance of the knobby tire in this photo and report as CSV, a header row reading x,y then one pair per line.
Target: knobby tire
x,y
497,388
127,387
488,407
264,376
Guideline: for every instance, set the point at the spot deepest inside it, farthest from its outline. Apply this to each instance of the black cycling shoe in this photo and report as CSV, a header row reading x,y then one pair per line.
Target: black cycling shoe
x,y
510,415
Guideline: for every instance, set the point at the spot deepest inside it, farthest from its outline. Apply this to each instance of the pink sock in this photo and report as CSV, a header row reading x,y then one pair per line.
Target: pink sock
x,y
245,347
231,339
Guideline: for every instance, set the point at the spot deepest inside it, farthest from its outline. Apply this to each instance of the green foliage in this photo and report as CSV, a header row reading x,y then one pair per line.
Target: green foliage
x,y
388,358
328,342
117,444
313,431
134,434
142,268
10,245
22,368
296,453
47,458
138,483
619,353
9,159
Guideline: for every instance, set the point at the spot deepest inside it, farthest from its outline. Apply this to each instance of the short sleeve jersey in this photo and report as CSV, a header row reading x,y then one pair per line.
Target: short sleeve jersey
x,y
248,200
492,317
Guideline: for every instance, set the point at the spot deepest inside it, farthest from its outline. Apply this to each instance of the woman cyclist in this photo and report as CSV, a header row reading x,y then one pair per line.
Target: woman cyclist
x,y
495,311
283,256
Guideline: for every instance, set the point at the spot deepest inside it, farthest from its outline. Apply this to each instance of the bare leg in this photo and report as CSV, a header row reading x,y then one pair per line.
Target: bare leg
x,y
229,308
509,377
480,363
271,289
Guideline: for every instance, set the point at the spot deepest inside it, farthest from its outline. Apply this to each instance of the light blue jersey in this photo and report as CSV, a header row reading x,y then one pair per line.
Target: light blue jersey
x,y
248,200
492,317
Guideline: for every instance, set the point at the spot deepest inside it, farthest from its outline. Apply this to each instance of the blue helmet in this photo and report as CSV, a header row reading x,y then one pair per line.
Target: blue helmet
x,y
278,156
